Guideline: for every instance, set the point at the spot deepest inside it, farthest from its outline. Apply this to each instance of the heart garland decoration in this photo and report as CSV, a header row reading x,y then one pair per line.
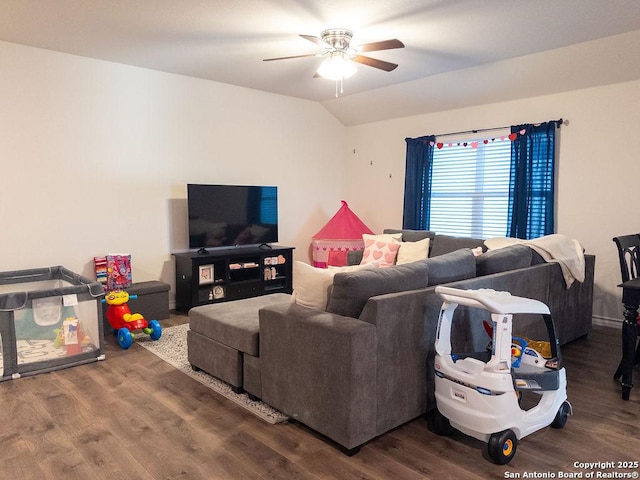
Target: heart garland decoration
x,y
476,143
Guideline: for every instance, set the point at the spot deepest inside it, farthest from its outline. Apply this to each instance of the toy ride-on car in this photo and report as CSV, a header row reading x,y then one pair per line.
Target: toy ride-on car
x,y
480,393
124,323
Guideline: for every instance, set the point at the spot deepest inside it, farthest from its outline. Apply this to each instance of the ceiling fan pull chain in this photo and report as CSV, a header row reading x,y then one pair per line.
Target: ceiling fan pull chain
x,y
341,82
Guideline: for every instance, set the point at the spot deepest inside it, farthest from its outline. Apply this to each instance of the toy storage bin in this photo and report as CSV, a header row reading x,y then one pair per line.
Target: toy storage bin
x,y
50,318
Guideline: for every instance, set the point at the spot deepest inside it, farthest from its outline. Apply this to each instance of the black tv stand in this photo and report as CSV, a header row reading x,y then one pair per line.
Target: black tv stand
x,y
203,251
265,246
224,274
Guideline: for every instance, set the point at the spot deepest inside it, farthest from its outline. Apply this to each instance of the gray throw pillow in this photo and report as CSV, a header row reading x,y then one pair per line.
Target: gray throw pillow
x,y
503,259
442,244
413,235
451,267
351,290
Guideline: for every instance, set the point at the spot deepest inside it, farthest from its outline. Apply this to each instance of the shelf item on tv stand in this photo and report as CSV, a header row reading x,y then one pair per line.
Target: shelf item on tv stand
x,y
231,274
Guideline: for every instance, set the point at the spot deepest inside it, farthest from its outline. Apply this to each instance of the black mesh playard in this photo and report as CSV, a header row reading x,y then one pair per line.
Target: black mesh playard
x,y
50,318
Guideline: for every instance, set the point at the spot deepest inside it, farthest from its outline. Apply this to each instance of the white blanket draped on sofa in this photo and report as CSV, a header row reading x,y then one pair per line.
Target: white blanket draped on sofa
x,y
553,248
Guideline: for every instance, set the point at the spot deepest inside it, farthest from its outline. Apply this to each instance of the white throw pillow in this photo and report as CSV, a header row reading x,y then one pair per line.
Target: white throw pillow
x,y
413,251
311,284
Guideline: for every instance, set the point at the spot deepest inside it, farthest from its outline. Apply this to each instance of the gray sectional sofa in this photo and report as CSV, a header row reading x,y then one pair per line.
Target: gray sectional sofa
x,y
364,365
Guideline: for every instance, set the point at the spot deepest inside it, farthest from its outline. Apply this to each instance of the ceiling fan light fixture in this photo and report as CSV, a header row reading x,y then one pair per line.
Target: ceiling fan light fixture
x,y
340,58
337,67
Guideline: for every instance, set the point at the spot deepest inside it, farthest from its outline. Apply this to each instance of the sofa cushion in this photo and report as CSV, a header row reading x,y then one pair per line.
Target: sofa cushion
x,y
503,259
453,266
442,244
412,235
354,257
536,258
351,290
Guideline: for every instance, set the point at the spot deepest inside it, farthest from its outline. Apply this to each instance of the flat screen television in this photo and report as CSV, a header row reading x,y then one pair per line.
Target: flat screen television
x,y
231,215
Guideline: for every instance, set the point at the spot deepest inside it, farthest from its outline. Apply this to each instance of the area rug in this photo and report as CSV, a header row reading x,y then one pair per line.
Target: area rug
x,y
172,348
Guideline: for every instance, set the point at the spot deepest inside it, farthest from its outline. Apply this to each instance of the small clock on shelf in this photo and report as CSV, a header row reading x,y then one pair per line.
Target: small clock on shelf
x,y
218,292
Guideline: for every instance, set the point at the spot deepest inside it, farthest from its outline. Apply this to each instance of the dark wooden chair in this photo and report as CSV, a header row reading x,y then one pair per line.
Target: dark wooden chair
x,y
629,256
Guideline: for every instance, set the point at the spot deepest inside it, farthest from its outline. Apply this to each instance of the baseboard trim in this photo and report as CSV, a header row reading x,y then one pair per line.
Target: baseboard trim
x,y
607,322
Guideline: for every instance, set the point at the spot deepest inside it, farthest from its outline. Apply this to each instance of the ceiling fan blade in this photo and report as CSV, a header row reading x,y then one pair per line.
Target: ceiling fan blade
x,y
383,45
293,56
374,62
316,40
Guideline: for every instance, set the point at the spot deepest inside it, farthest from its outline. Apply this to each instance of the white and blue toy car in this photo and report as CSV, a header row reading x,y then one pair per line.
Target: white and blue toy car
x,y
479,393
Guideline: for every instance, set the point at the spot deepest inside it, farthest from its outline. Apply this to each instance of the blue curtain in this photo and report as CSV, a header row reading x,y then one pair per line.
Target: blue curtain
x,y
532,181
417,182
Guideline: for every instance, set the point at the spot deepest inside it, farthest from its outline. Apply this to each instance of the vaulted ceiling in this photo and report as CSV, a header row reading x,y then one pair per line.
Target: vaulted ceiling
x,y
458,52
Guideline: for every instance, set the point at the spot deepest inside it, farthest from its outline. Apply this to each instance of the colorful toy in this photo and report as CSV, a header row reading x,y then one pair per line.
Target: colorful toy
x,y
479,393
71,336
542,347
124,322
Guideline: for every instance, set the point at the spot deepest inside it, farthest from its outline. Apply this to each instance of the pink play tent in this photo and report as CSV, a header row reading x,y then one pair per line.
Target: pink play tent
x,y
340,235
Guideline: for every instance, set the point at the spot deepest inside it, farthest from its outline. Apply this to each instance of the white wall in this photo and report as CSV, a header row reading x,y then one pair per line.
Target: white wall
x,y
96,157
599,167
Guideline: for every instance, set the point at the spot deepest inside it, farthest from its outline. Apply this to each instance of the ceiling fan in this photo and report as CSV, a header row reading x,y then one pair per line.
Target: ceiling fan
x,y
339,54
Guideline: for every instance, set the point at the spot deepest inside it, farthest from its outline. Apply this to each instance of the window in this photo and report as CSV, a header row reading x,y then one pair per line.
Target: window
x,y
483,188
470,189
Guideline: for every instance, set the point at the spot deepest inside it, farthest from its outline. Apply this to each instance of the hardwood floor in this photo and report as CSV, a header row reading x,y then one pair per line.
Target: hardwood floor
x,y
134,416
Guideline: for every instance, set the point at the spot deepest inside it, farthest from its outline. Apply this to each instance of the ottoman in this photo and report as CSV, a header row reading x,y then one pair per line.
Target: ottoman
x,y
223,340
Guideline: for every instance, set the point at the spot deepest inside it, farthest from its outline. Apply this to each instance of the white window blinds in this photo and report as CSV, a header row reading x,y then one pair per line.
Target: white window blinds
x,y
470,189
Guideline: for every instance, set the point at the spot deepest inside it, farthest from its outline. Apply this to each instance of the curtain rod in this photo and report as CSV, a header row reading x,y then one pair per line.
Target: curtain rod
x,y
559,122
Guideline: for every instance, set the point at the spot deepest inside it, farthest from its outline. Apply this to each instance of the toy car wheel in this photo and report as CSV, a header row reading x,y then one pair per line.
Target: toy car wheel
x,y
156,329
502,446
438,423
125,339
562,415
